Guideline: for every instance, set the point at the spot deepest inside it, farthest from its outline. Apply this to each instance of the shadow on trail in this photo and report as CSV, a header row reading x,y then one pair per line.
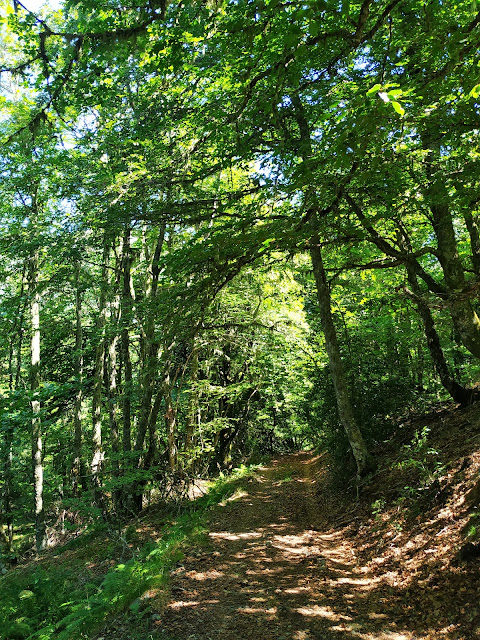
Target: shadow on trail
x,y
270,575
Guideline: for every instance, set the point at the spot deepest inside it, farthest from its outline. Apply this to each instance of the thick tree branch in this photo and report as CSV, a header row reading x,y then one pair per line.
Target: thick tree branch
x,y
389,250
362,21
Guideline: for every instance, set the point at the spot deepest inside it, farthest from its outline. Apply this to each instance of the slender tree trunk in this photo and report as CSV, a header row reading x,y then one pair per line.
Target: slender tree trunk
x,y
170,421
78,470
3,547
150,368
6,528
463,314
150,354
472,223
97,456
113,399
151,348
127,308
458,393
17,332
149,458
193,404
345,410
420,365
37,462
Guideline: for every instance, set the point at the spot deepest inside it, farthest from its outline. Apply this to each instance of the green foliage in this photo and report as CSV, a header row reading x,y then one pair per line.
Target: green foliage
x,y
378,507
417,469
472,529
418,454
65,601
421,469
215,141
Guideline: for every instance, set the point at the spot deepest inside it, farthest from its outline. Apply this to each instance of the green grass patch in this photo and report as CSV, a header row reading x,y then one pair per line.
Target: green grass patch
x,y
67,598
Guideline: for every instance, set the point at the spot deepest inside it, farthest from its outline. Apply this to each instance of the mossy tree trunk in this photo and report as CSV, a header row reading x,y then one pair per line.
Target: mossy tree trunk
x,y
97,447
345,410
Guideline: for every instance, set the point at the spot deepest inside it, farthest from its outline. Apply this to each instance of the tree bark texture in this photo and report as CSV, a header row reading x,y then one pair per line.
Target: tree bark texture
x,y
463,314
97,454
170,421
150,350
6,528
127,310
459,394
37,445
345,410
113,373
471,220
77,468
193,403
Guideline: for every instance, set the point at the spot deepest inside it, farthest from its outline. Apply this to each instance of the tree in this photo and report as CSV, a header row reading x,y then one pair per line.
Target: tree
x,y
184,157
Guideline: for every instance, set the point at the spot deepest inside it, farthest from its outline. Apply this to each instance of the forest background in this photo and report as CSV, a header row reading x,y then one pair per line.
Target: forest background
x,y
227,229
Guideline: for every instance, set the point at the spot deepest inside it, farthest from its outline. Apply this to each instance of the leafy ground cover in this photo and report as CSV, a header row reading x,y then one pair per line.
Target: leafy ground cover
x,y
68,592
287,552
294,556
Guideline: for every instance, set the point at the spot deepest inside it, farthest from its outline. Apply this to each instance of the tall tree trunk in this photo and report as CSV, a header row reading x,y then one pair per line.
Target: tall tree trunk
x,y
97,455
78,471
463,314
459,394
113,399
420,365
193,403
152,448
127,308
151,346
37,461
170,421
17,332
150,354
6,528
345,410
471,220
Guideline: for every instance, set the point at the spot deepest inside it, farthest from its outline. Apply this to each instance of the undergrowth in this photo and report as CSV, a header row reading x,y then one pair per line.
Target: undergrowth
x,y
45,601
418,469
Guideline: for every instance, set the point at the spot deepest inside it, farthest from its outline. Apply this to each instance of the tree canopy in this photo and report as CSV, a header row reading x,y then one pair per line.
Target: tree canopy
x,y
228,228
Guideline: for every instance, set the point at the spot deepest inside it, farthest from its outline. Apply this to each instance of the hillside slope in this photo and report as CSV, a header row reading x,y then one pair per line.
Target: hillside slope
x,y
292,554
292,557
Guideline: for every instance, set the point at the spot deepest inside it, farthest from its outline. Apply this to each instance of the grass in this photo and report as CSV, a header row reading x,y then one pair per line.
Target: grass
x,y
68,595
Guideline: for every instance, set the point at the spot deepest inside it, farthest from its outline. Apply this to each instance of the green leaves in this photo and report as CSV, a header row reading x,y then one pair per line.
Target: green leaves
x,y
398,108
373,90
388,95
475,92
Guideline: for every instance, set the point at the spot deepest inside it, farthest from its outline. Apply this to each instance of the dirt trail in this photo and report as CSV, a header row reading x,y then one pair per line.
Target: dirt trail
x,y
273,571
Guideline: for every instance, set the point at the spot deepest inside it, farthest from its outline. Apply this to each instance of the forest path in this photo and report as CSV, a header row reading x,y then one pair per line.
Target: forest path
x,y
275,570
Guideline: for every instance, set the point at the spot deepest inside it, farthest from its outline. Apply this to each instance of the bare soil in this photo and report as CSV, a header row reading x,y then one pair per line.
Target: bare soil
x,y
293,556
275,568
266,568
287,558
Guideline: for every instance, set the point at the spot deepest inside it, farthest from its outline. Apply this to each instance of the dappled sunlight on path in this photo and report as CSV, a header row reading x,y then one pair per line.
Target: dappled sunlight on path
x,y
271,573
275,569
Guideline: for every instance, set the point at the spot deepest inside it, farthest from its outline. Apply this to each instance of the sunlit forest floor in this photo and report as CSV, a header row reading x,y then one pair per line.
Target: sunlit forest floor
x,y
294,551
291,556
